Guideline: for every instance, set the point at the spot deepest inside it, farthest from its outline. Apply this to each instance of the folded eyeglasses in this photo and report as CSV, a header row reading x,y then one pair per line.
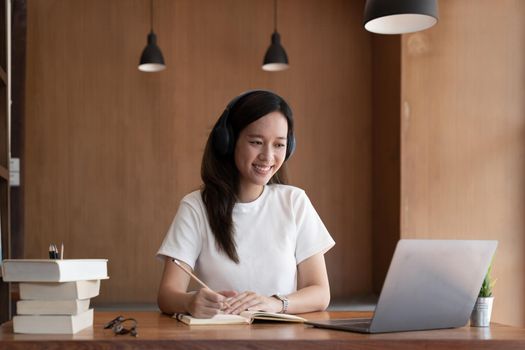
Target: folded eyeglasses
x,y
118,325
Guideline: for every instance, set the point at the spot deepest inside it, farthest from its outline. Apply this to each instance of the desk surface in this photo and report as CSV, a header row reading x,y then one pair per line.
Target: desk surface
x,y
162,332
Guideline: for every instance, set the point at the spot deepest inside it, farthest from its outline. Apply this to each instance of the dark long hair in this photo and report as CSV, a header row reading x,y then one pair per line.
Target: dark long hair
x,y
220,175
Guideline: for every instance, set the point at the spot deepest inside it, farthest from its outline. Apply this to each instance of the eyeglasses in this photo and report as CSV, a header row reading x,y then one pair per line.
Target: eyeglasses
x,y
118,326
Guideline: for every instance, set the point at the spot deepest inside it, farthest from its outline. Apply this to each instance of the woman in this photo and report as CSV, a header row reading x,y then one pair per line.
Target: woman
x,y
257,243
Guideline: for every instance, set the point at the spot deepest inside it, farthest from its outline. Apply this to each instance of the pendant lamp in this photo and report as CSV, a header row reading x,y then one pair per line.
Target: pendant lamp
x,y
275,59
151,59
400,16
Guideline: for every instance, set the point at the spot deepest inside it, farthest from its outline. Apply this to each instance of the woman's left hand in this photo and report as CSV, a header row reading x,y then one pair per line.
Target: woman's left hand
x,y
252,301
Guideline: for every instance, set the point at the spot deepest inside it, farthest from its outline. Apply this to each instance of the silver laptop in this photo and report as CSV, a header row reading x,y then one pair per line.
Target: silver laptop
x,y
431,284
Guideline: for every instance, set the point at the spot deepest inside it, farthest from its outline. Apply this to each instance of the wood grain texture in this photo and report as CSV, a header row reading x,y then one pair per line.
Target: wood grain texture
x,y
5,98
463,137
18,69
162,332
110,151
386,153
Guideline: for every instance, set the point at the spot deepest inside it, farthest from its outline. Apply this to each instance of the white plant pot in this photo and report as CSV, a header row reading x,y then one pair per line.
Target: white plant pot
x,y
481,313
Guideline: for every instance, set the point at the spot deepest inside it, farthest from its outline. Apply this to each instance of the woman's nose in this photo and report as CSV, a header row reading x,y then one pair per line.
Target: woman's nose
x,y
266,153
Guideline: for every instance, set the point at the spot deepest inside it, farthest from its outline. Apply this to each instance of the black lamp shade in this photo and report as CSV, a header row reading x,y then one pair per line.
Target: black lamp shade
x,y
151,59
400,16
275,58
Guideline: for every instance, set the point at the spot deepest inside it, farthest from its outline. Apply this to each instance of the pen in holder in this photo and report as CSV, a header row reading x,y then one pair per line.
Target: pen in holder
x,y
53,251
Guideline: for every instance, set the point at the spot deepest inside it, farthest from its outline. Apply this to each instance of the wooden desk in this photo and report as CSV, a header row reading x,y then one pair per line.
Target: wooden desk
x,y
158,331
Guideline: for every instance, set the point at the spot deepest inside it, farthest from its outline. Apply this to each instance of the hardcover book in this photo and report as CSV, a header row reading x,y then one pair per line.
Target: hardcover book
x,y
53,270
245,317
59,290
52,307
52,324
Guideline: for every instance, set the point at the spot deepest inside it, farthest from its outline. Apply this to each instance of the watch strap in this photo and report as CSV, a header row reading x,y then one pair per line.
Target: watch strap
x,y
284,300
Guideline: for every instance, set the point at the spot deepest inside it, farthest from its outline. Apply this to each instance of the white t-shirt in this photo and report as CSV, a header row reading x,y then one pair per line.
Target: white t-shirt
x,y
273,235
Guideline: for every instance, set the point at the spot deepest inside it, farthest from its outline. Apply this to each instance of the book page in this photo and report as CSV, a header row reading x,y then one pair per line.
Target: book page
x,y
245,317
271,316
215,320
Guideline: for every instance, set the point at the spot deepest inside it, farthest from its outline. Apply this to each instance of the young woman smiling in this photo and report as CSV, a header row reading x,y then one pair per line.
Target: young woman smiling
x,y
256,242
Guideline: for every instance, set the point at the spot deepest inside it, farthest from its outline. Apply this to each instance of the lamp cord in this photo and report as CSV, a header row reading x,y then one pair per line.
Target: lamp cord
x,y
275,15
151,14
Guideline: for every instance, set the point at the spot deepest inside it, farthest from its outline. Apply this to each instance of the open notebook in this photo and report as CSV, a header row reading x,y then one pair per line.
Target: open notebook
x,y
245,317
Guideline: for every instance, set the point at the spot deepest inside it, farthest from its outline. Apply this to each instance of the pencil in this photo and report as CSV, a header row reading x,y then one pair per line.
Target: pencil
x,y
62,251
190,273
195,277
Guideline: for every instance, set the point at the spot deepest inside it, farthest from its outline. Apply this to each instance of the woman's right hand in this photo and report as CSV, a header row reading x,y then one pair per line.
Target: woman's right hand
x,y
206,303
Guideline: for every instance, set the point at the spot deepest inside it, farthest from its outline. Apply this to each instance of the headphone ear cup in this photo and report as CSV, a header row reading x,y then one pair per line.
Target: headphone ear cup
x,y
290,146
222,138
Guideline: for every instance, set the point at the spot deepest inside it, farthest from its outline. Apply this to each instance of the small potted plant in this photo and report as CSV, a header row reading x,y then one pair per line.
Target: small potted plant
x,y
482,311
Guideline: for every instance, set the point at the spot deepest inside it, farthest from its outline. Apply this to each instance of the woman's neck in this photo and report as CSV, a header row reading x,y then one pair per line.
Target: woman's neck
x,y
249,192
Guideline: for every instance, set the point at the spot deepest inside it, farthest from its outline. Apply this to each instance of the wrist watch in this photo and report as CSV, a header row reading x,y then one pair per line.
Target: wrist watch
x,y
284,300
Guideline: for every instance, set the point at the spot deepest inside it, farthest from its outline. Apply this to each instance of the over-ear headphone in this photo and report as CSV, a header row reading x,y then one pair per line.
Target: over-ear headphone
x,y
223,139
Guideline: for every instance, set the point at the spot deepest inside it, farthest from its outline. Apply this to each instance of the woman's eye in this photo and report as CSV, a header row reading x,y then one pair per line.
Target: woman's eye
x,y
256,142
280,145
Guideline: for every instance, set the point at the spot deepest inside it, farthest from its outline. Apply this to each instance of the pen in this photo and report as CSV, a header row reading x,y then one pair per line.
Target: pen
x,y
62,251
194,277
53,251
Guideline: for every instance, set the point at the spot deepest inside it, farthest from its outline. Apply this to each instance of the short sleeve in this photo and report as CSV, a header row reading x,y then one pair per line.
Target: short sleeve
x,y
312,235
183,240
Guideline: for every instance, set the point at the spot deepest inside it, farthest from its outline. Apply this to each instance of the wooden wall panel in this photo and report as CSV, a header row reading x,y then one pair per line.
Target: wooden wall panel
x,y
110,151
386,150
463,136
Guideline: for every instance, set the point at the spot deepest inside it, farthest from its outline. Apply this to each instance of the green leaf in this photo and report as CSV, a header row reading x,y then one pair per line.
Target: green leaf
x,y
487,285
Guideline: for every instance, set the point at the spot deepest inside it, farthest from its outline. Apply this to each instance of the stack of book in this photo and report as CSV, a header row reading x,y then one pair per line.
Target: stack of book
x,y
54,294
